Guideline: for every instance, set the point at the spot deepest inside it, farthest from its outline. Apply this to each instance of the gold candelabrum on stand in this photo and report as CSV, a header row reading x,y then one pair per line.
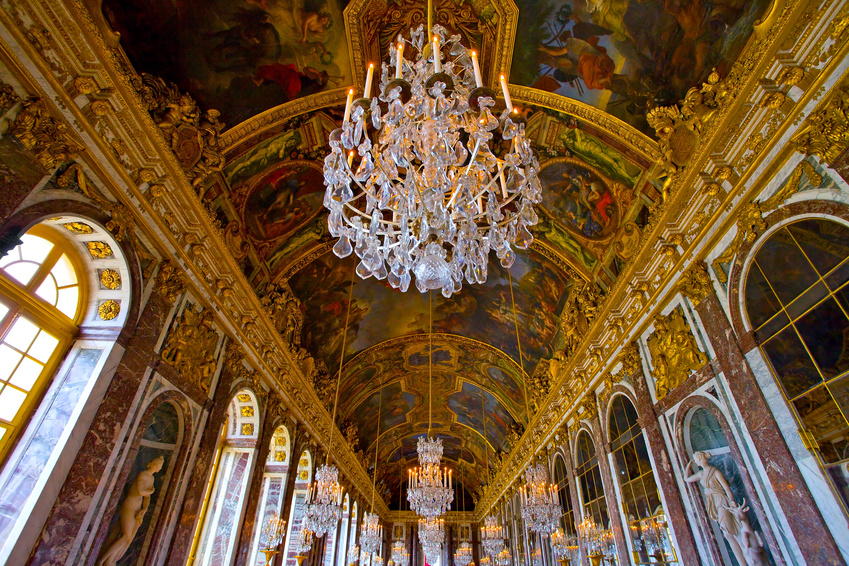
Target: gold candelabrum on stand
x,y
272,533
594,540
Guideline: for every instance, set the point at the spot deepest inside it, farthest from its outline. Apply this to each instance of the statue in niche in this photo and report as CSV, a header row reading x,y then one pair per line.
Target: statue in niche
x,y
674,352
745,543
131,514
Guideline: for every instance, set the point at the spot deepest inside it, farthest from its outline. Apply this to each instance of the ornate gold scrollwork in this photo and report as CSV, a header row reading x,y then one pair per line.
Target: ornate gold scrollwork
x,y
190,348
110,279
695,284
630,359
46,138
826,131
674,352
284,309
170,282
121,221
109,310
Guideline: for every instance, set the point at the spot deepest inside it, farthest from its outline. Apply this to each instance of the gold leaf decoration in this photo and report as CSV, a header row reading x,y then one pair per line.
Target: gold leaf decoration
x,y
78,228
108,310
110,279
99,250
674,352
247,429
248,411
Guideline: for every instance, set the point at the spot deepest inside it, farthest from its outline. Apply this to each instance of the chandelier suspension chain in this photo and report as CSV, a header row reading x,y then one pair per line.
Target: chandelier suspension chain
x,y
519,345
430,364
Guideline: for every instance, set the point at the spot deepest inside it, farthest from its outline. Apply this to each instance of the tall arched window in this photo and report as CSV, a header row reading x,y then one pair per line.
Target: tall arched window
x,y
40,294
223,507
273,490
567,516
797,301
649,531
589,478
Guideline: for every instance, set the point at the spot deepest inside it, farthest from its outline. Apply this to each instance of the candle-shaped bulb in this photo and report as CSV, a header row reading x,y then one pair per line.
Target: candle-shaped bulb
x,y
350,158
508,102
437,55
399,61
348,105
477,68
369,78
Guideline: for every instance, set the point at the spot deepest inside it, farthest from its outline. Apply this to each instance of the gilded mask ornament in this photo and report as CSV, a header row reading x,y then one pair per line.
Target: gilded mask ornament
x,y
674,352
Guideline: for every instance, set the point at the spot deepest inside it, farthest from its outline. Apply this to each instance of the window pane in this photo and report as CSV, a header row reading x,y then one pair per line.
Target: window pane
x,y
22,271
825,331
10,402
785,267
792,364
43,347
26,374
64,272
47,290
34,248
839,276
9,359
11,257
825,243
808,299
761,302
69,298
820,415
21,334
3,310
839,389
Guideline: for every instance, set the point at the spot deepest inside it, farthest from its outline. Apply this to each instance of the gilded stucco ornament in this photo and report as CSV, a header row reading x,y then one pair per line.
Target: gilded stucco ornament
x,y
46,138
826,131
234,357
630,359
190,348
674,352
578,314
170,282
695,283
110,279
79,228
120,223
284,309
590,405
109,310
193,135
8,97
99,250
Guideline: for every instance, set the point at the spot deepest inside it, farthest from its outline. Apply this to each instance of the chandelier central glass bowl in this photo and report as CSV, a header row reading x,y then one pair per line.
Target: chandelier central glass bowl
x,y
492,536
540,501
324,500
431,488
463,555
431,537
429,195
371,534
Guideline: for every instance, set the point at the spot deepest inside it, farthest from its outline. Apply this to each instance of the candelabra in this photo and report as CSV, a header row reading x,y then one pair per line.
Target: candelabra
x,y
431,537
324,500
594,539
651,534
502,558
304,541
564,547
540,501
273,532
463,555
371,534
492,536
431,488
429,196
353,555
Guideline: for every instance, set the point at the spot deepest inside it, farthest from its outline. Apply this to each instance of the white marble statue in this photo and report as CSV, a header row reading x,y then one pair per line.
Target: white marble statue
x,y
721,507
131,514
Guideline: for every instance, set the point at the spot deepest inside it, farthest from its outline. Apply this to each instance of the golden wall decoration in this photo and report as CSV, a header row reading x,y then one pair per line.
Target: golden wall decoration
x,y
99,250
244,398
120,223
190,348
110,279
630,359
247,429
170,282
674,352
46,138
826,131
8,97
247,411
109,310
695,283
79,228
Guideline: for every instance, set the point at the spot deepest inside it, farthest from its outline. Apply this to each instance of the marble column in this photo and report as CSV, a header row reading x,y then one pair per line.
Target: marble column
x,y
298,444
573,490
181,543
800,509
249,517
664,475
613,506
78,492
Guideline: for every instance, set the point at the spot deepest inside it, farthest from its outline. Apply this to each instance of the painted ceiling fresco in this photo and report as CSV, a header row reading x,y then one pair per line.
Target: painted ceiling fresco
x,y
626,57
273,67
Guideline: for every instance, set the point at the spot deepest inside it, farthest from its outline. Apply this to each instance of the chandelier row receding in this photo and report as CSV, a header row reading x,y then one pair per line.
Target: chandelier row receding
x,y
423,193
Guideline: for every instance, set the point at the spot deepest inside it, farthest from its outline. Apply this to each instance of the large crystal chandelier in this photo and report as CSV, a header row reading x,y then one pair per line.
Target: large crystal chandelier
x,y
371,534
324,500
431,487
431,537
463,555
492,536
423,192
540,501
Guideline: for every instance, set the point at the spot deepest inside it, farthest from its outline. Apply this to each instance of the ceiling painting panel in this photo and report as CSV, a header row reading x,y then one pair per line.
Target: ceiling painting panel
x,y
624,56
241,57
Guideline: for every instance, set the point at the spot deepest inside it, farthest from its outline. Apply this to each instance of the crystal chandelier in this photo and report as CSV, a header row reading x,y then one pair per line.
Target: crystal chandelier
x,y
503,558
463,555
353,555
559,544
324,500
431,487
371,534
428,194
431,537
399,553
304,540
540,501
492,536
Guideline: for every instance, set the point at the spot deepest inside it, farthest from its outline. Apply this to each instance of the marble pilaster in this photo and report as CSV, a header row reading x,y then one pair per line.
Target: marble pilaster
x,y
298,446
803,516
603,453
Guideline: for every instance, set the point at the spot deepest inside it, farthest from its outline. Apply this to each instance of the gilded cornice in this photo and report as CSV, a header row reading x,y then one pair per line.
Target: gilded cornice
x,y
59,41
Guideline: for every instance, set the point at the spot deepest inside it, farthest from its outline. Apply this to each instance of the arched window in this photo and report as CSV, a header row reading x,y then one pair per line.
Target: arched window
x,y
40,294
649,531
273,490
222,510
589,478
797,301
567,516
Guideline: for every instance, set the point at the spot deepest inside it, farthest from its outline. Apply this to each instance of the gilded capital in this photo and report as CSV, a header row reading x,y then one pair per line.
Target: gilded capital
x,y
695,283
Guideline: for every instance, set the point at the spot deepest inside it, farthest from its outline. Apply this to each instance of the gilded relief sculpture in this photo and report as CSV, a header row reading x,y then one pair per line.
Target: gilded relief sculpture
x,y
674,352
131,514
285,311
191,347
745,543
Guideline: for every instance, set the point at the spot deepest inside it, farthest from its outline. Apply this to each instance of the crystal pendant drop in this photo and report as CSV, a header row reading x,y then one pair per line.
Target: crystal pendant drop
x,y
343,247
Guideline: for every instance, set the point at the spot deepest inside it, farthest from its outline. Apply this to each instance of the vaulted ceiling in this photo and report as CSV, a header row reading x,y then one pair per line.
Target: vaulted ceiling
x,y
584,74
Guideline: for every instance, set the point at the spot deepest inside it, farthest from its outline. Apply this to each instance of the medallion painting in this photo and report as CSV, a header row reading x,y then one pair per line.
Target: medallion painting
x,y
240,57
283,200
626,56
579,198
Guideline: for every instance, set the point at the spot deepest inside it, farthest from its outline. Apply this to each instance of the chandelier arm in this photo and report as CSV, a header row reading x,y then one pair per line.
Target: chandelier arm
x,y
341,360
